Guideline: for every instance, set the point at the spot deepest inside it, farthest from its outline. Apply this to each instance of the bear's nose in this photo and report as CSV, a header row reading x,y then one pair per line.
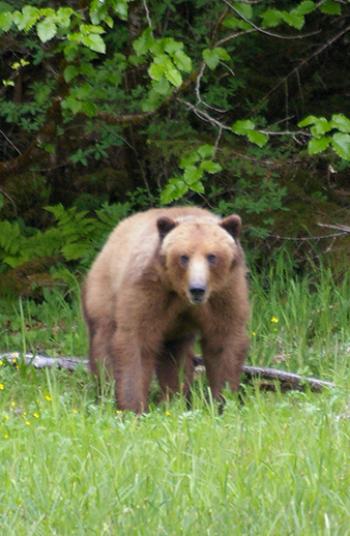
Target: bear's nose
x,y
197,294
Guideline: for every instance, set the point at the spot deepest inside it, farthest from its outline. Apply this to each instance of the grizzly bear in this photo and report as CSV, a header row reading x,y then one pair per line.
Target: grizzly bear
x,y
164,276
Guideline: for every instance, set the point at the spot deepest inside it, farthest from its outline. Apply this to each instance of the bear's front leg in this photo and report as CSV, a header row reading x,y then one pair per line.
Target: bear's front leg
x,y
223,357
132,372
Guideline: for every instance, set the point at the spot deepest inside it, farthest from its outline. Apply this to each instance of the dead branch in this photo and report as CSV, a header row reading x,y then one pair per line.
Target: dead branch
x,y
344,229
310,238
288,381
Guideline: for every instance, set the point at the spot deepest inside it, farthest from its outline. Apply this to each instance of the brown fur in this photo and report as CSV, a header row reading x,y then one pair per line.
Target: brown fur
x,y
137,303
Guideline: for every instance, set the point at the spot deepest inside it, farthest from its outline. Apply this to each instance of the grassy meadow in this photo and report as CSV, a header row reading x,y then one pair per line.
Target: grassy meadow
x,y
272,464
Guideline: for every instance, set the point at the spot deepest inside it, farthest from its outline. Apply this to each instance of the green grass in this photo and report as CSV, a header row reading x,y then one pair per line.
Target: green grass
x,y
275,465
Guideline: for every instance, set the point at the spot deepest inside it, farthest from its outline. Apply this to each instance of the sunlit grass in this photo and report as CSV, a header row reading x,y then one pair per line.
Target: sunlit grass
x,y
274,464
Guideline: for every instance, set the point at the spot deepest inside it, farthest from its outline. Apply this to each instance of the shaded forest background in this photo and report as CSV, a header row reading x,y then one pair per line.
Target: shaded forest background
x,y
102,104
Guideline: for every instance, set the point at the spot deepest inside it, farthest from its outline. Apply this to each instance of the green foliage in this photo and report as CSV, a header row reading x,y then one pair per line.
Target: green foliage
x,y
99,149
49,23
245,10
232,22
10,240
195,165
168,62
101,11
246,127
89,85
89,35
29,116
331,7
338,138
258,202
295,18
213,56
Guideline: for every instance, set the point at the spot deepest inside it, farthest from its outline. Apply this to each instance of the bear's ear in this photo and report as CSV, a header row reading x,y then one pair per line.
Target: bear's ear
x,y
165,225
232,224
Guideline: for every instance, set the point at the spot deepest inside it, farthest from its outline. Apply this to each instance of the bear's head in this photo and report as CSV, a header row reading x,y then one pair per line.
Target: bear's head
x,y
199,255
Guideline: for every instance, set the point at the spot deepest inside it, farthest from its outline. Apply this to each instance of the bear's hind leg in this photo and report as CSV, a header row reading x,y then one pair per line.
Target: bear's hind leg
x,y
101,333
175,367
133,370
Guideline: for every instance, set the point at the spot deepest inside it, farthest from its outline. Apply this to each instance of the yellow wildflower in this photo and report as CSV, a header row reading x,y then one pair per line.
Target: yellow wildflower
x,y
36,415
274,319
48,397
2,386
167,413
28,423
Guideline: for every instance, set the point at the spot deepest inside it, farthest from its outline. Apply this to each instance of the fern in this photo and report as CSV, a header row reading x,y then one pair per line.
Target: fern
x,y
75,237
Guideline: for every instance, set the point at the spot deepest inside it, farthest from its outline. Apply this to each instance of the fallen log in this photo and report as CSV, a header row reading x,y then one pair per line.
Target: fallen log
x,y
268,376
289,380
40,361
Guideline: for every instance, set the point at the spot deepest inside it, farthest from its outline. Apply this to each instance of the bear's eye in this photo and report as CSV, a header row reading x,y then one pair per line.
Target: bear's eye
x,y
184,260
211,258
